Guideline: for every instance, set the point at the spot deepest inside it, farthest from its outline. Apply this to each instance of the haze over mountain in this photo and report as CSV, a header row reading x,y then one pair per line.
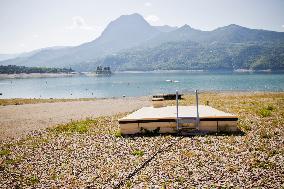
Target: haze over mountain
x,y
166,28
7,56
131,43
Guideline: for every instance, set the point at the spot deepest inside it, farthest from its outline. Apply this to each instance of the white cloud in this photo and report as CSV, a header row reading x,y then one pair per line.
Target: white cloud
x,y
22,45
79,22
152,18
148,4
35,36
283,26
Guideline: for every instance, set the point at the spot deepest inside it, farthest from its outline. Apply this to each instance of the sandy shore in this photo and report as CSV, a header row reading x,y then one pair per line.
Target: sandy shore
x,y
16,121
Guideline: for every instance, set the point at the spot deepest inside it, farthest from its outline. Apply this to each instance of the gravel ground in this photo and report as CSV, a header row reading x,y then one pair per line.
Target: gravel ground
x,y
215,161
18,120
96,158
92,154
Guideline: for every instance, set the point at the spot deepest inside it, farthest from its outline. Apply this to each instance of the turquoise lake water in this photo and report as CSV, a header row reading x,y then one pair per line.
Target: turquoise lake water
x,y
138,84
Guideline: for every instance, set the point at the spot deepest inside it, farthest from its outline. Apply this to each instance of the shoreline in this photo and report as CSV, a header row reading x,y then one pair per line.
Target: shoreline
x,y
149,96
187,93
36,75
92,74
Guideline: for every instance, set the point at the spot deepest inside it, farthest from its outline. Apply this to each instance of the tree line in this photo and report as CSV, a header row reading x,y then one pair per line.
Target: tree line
x,y
13,69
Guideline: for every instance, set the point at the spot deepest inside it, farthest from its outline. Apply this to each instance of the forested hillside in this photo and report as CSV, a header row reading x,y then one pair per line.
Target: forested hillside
x,y
200,56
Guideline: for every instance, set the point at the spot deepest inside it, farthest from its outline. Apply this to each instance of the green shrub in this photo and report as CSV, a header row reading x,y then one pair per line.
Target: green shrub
x,y
74,127
245,126
138,153
34,179
118,134
4,152
128,184
13,161
264,112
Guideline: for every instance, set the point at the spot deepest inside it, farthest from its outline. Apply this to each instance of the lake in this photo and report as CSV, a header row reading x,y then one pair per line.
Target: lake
x,y
138,84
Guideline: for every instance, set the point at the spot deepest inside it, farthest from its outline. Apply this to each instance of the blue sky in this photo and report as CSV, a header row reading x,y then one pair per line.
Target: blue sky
x,y
31,24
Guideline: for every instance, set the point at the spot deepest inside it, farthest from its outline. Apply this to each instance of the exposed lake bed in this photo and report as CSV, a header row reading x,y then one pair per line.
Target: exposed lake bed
x,y
91,153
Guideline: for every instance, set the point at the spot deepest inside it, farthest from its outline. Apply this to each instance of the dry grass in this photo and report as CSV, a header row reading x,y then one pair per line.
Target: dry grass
x,y
21,101
92,152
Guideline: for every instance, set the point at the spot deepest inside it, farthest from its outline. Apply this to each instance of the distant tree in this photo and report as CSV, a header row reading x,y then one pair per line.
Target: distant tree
x,y
13,69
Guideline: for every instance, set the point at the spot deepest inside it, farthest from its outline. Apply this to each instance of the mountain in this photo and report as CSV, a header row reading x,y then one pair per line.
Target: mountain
x,y
131,43
184,33
227,34
124,32
28,54
166,28
226,48
7,56
35,57
189,55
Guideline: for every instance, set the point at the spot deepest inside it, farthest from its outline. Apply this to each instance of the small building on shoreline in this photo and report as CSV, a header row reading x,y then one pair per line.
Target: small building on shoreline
x,y
103,70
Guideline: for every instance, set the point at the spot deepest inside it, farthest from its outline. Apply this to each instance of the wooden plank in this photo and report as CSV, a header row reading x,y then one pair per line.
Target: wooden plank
x,y
164,127
210,126
129,128
157,124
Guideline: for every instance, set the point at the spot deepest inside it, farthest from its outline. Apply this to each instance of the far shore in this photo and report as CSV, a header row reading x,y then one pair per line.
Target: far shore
x,y
53,75
36,75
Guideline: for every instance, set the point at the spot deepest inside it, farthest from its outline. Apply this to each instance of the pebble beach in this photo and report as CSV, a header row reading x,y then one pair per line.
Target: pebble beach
x,y
91,153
